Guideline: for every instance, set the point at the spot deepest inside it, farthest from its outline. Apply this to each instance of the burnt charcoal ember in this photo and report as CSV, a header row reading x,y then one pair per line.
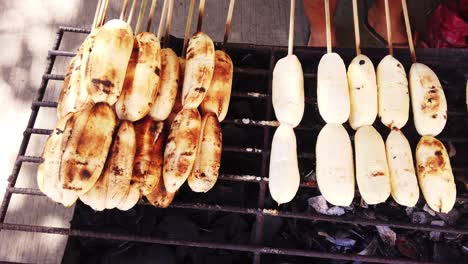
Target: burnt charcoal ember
x,y
387,235
407,247
420,218
434,235
320,206
451,217
337,241
370,249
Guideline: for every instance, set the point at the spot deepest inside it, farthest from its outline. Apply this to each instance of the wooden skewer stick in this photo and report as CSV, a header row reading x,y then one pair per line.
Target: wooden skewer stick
x,y
151,15
187,28
168,22
201,12
96,14
291,27
163,19
357,37
227,28
328,25
124,10
408,30
141,14
103,17
389,28
132,11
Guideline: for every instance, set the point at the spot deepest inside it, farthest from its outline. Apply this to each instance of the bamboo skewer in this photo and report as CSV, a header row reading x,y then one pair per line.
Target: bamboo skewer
x,y
408,30
201,12
141,14
291,27
389,28
132,11
187,28
357,36
96,14
328,25
103,17
124,10
227,28
163,19
151,15
168,22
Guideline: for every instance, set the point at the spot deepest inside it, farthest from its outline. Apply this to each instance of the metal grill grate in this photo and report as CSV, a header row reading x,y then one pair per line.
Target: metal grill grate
x,y
252,83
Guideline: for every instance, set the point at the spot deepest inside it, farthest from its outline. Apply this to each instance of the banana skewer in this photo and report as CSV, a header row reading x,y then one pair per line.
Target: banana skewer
x,y
362,84
199,65
332,83
143,74
392,86
288,103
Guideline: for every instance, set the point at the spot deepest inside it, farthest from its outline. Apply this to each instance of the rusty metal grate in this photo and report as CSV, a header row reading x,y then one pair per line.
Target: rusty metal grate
x,y
252,83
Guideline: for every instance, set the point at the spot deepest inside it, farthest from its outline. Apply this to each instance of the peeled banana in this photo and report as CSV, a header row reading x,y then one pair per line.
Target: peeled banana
x,y
181,148
206,168
169,84
142,79
199,68
435,174
284,175
392,92
288,91
87,139
371,166
428,100
108,60
362,92
148,161
130,199
219,94
332,89
159,196
48,171
403,182
335,165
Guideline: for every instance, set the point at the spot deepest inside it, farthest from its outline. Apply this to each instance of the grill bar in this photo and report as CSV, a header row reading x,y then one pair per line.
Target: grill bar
x,y
233,247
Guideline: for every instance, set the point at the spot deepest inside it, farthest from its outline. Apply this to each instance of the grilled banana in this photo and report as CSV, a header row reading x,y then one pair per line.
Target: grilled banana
x,y
362,92
393,94
169,85
288,91
181,148
404,186
334,165
148,162
284,176
428,100
107,62
219,94
86,146
142,79
206,168
130,199
371,166
199,68
435,174
159,196
332,89
96,196
48,171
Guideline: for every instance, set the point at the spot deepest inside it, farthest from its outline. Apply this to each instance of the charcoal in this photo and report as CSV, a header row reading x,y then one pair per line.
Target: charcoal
x,y
370,249
427,209
435,235
341,242
452,151
407,247
420,218
445,253
451,218
387,235
320,206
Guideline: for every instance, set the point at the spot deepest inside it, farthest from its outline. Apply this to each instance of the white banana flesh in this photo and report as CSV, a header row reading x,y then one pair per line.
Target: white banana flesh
x,y
142,79
403,182
288,90
335,165
48,171
199,68
131,198
371,166
332,89
86,143
169,84
206,168
428,100
435,174
181,148
362,92
219,94
393,93
284,175
107,63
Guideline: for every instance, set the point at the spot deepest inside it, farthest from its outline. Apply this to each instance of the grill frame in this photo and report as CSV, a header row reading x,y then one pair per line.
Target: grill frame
x,y
441,57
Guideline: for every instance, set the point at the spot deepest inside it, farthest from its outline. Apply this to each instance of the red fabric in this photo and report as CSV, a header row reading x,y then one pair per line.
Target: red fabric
x,y
448,26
